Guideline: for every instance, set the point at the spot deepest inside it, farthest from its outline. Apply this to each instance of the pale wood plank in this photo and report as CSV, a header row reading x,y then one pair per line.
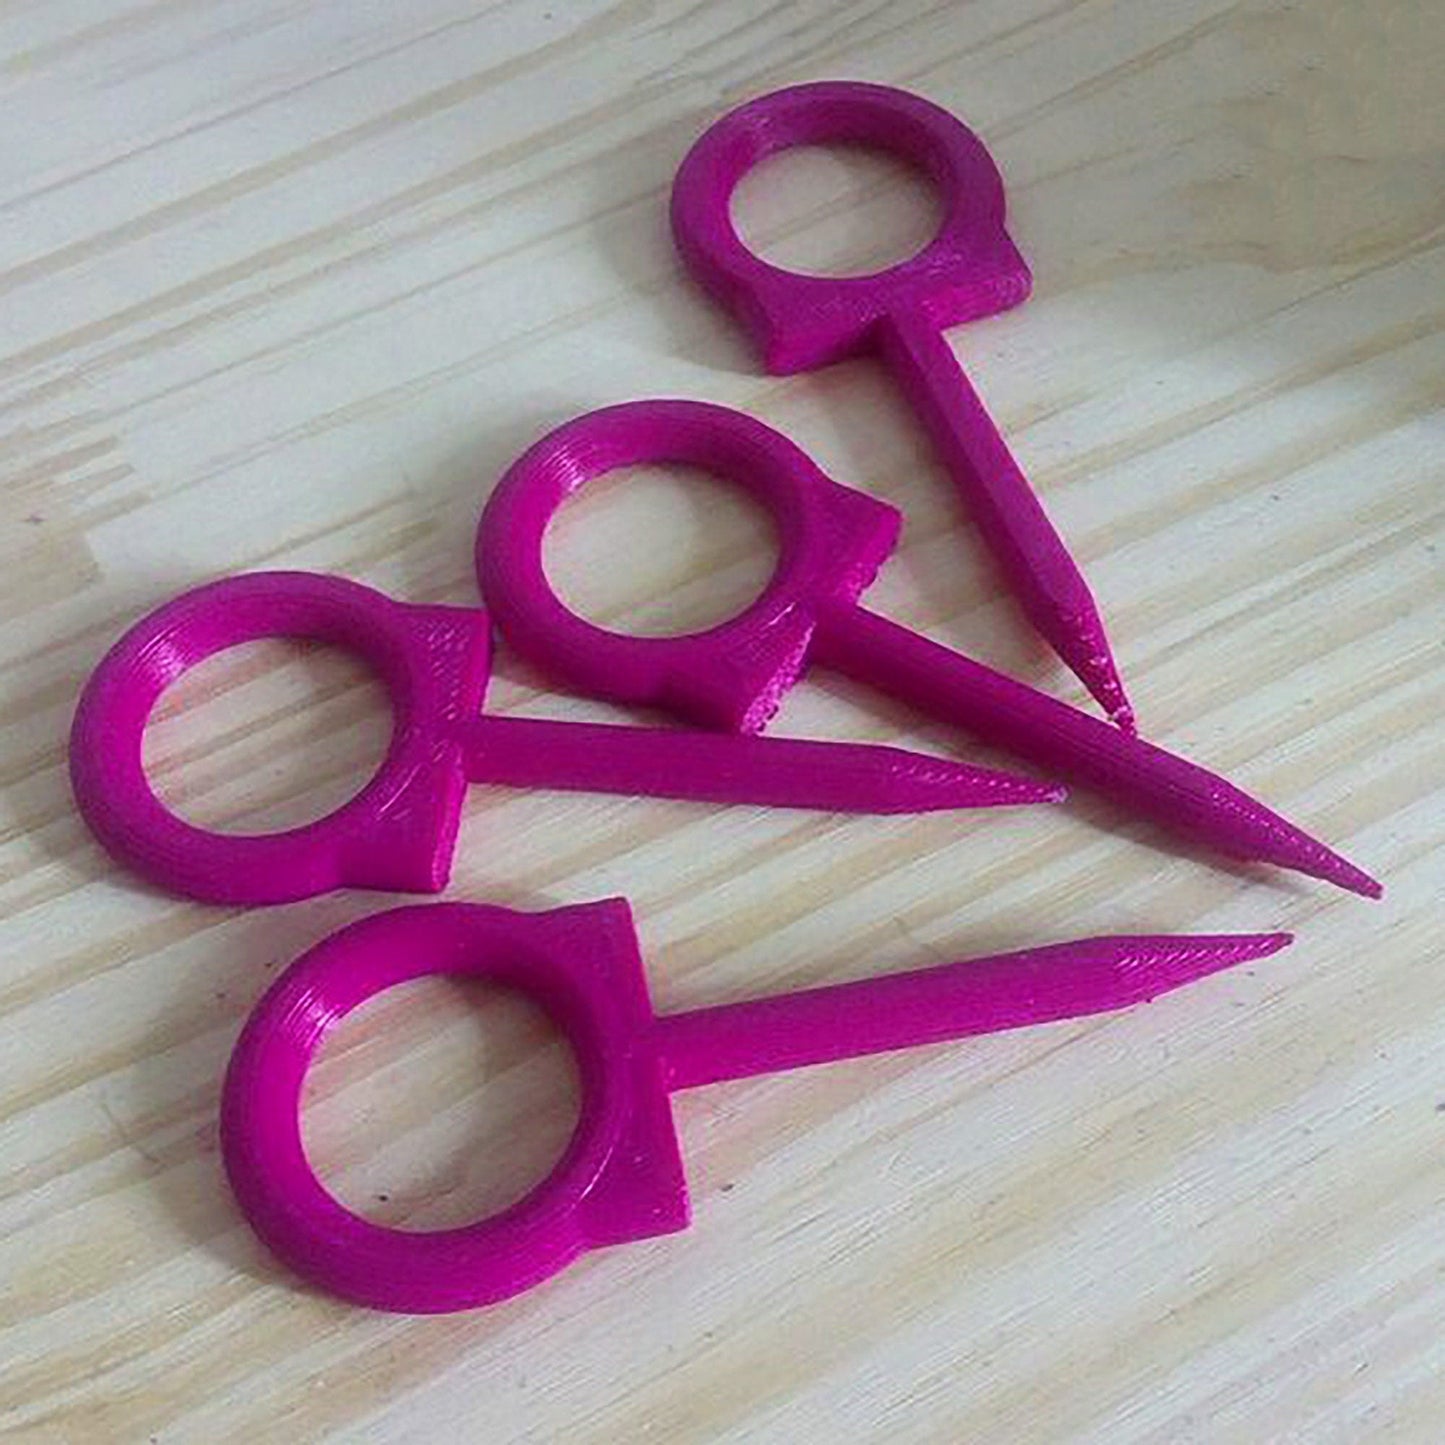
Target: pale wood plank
x,y
289,285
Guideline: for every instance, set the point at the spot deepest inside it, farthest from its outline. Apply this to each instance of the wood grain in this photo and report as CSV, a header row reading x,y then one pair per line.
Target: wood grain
x,y
289,284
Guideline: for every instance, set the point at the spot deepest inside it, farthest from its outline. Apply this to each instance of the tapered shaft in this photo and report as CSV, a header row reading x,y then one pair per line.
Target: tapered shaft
x,y
720,768
1037,565
1070,744
950,1001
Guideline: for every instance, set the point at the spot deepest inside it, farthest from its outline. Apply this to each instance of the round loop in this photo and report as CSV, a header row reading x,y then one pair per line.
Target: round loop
x,y
831,542
969,269
581,965
397,832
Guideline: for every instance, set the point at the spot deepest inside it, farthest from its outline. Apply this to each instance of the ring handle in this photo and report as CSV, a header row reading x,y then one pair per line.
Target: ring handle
x,y
971,268
397,832
620,1177
831,542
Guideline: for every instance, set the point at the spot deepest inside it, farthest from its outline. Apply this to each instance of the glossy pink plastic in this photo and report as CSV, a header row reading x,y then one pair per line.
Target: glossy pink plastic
x,y
400,830
621,1176
831,542
969,269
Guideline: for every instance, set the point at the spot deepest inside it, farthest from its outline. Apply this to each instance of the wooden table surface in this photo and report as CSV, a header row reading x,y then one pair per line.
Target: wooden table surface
x,y
285,284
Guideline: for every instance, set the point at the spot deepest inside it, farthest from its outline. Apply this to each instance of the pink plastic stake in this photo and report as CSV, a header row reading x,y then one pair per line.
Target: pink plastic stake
x,y
621,1176
970,269
400,830
832,540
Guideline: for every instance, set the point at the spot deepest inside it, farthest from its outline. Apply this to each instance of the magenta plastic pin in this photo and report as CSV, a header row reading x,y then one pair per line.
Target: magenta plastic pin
x,y
970,269
400,830
832,541
621,1176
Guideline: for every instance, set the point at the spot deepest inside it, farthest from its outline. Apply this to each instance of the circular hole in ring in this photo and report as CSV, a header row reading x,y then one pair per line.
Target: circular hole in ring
x,y
835,210
438,1103
266,736
659,551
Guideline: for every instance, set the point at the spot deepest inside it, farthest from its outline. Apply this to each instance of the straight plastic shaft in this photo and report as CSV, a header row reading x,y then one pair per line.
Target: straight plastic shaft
x,y
1071,744
949,1001
720,768
1005,508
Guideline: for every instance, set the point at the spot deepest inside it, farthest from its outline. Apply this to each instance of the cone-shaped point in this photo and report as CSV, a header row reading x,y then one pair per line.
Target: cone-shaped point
x,y
1157,965
1094,666
1321,862
1289,847
936,785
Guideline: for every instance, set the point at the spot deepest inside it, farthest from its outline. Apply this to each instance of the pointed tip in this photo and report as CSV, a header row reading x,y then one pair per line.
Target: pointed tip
x,y
1165,962
1221,950
1261,945
1106,974
1280,842
1093,664
1330,867
1356,880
